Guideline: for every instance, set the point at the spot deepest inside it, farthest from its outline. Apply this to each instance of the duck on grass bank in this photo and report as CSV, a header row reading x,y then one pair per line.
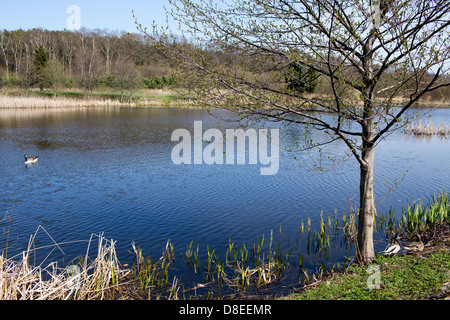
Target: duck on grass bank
x,y
31,160
393,247
415,246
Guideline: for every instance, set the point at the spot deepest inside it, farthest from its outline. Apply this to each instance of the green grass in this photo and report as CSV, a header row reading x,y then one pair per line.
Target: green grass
x,y
401,278
166,100
113,95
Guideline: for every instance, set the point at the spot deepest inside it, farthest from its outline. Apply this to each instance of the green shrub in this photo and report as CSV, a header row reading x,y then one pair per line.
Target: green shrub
x,y
159,82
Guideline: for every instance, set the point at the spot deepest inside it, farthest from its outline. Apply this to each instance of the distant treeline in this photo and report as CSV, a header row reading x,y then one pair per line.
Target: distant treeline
x,y
85,59
93,59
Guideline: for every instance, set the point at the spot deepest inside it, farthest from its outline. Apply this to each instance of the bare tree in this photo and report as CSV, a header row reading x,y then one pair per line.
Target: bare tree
x,y
87,59
17,49
4,44
124,68
69,45
108,46
369,52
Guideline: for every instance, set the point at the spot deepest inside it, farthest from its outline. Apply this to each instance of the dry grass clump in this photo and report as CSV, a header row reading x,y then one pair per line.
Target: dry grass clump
x,y
428,130
101,278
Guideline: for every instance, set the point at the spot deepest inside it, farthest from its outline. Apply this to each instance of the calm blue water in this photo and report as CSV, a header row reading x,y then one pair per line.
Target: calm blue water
x,y
110,170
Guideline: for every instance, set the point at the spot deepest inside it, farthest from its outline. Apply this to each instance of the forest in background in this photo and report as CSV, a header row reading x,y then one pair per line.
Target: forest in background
x,y
86,60
89,60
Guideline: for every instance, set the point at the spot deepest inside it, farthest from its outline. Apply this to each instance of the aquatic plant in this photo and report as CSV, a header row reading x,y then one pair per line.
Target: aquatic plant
x,y
428,130
237,270
418,218
87,279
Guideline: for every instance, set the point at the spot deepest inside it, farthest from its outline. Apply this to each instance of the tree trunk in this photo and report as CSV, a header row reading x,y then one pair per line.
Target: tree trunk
x,y
365,249
4,48
5,56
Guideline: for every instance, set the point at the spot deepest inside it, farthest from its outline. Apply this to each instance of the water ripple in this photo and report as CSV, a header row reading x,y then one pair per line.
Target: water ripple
x,y
111,171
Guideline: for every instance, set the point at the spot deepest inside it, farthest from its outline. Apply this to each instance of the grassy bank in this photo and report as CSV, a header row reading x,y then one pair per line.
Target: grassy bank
x,y
16,98
402,277
421,275
244,270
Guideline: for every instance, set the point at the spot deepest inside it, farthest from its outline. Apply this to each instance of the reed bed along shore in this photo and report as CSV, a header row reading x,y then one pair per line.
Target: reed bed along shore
x,y
430,129
21,102
242,271
14,99
86,279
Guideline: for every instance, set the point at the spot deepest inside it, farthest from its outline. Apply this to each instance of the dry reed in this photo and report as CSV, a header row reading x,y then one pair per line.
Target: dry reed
x,y
16,102
428,130
101,278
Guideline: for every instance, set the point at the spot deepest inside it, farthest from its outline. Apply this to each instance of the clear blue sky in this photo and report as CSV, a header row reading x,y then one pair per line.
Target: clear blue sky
x,y
102,14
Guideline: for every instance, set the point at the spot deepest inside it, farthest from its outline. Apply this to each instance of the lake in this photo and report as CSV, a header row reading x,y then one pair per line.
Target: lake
x,y
109,170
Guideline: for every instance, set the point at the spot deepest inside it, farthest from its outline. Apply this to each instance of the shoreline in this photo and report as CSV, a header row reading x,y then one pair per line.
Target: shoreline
x,y
13,99
18,99
105,278
331,286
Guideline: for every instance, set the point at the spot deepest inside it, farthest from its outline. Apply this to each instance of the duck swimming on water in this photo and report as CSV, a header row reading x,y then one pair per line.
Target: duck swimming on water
x,y
31,160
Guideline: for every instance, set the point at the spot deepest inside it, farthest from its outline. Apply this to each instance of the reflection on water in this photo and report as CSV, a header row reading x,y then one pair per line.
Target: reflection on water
x,y
110,170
